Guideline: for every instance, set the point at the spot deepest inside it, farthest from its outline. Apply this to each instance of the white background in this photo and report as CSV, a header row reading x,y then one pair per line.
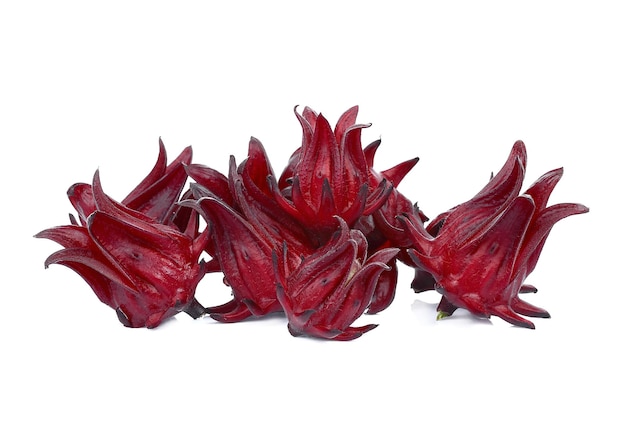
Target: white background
x,y
86,85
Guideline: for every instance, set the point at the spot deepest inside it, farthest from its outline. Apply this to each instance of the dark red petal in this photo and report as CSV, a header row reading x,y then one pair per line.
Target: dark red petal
x,y
527,309
158,199
506,313
67,236
421,239
155,174
539,231
212,180
470,218
383,256
518,153
238,312
378,197
105,204
397,173
309,115
370,152
245,258
542,188
346,120
286,178
385,290
355,170
286,205
94,269
486,266
81,198
307,121
352,333
257,167
387,222
319,161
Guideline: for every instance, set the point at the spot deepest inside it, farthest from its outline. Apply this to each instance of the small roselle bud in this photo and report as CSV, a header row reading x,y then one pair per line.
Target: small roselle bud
x,y
145,270
480,252
332,287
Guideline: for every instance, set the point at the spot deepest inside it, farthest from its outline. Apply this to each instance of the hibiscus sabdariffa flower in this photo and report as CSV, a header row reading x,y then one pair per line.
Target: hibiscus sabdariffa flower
x,y
328,176
332,287
479,253
245,224
132,253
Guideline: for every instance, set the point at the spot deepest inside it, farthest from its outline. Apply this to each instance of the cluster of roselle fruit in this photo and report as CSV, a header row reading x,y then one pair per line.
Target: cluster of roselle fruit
x,y
321,242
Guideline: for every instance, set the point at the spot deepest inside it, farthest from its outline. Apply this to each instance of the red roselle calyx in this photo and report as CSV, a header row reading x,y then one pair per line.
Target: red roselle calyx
x,y
245,258
135,263
332,287
480,252
246,224
328,176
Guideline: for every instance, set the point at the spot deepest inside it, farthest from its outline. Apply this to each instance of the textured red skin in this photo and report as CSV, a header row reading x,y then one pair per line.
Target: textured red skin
x,y
328,176
332,287
245,258
136,263
480,252
246,224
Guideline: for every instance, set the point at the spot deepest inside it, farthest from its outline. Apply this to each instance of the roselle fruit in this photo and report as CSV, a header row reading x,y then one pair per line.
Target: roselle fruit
x,y
328,176
146,270
245,224
332,287
244,256
480,252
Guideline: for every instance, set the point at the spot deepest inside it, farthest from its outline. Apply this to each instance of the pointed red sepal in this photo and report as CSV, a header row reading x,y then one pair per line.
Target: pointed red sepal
x,y
397,173
107,205
346,120
524,308
157,194
212,180
244,256
385,290
81,198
